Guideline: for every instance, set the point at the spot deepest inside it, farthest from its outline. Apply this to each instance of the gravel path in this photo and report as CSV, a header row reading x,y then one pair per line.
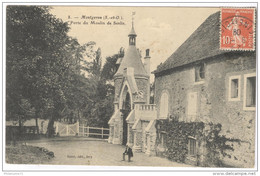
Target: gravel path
x,y
90,151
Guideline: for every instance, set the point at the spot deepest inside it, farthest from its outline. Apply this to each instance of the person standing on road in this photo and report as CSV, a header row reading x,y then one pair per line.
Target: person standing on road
x,y
129,152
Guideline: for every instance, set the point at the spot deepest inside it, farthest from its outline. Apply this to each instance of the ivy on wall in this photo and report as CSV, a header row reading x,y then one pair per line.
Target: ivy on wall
x,y
210,148
216,144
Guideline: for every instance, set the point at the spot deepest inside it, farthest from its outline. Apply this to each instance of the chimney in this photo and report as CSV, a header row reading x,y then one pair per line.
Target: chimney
x,y
147,68
147,62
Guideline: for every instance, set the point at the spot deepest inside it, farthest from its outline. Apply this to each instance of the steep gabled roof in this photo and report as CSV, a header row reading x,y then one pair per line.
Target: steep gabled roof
x,y
132,59
203,43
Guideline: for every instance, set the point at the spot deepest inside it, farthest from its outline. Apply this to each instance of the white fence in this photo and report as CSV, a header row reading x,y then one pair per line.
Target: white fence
x,y
80,130
67,129
93,131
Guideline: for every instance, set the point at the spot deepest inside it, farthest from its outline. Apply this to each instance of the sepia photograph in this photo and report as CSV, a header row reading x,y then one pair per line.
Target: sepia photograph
x,y
149,86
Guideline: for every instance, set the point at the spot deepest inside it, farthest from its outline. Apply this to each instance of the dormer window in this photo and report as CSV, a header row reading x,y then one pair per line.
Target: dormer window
x,y
200,72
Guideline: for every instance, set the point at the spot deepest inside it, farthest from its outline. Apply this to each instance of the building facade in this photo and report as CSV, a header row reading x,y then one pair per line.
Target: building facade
x,y
197,83
201,83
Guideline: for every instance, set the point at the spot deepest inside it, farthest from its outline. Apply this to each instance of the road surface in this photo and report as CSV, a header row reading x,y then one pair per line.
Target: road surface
x,y
91,151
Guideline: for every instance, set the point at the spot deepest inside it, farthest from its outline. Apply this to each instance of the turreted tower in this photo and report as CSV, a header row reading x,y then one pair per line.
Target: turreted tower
x,y
132,36
132,85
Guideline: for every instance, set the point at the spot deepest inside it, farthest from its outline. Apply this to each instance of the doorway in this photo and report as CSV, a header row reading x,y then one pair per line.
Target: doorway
x,y
126,109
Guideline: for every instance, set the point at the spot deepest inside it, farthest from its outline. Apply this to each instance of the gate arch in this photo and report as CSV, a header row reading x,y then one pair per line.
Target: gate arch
x,y
126,105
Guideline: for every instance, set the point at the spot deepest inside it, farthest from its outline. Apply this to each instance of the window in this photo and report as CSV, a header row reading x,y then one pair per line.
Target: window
x,y
192,106
234,88
249,91
200,72
163,139
164,106
192,146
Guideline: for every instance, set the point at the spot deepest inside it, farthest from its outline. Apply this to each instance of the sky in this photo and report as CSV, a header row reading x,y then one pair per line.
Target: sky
x,y
160,29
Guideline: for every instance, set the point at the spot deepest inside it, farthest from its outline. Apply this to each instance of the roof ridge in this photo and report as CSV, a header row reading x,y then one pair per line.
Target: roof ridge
x,y
203,42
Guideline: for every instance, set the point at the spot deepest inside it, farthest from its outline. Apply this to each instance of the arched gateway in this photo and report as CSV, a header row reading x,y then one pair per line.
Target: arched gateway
x,y
133,117
126,107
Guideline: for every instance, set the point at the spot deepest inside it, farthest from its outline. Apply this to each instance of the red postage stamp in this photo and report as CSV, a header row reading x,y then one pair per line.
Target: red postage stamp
x,y
237,29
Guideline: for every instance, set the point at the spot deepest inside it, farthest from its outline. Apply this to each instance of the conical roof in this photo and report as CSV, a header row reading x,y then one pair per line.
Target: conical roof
x,y
132,59
132,32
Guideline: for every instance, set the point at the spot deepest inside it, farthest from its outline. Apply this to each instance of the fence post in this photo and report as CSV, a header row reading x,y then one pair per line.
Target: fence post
x,y
83,130
67,130
57,128
78,128
88,131
102,132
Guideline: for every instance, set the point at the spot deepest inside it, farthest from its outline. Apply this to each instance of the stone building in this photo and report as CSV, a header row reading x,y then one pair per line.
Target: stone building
x,y
200,82
133,120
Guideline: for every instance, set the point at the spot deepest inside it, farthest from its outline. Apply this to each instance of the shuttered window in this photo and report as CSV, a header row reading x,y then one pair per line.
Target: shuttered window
x,y
164,106
192,146
249,91
192,108
234,88
200,72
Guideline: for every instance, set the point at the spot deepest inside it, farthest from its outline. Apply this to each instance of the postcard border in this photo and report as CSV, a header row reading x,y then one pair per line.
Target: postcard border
x,y
118,170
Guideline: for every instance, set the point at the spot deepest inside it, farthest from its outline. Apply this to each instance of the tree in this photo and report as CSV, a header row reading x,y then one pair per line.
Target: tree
x,y
91,61
101,109
152,90
43,66
43,71
29,42
111,66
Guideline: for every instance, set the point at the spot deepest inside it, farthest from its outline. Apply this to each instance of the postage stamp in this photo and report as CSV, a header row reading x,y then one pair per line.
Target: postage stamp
x,y
237,29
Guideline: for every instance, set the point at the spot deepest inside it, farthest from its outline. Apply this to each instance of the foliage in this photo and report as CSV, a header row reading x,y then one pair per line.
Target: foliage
x,y
177,137
91,60
216,144
111,66
178,132
27,154
101,109
44,71
99,112
152,89
42,66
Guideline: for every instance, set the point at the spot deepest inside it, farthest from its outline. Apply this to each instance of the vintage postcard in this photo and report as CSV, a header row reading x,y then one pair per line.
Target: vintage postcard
x,y
150,86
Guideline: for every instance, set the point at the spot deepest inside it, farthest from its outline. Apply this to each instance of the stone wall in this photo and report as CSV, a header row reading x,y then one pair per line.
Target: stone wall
x,y
118,84
212,100
144,137
142,85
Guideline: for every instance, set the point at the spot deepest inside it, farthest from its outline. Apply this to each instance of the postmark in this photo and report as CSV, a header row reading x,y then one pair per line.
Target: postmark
x,y
237,29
